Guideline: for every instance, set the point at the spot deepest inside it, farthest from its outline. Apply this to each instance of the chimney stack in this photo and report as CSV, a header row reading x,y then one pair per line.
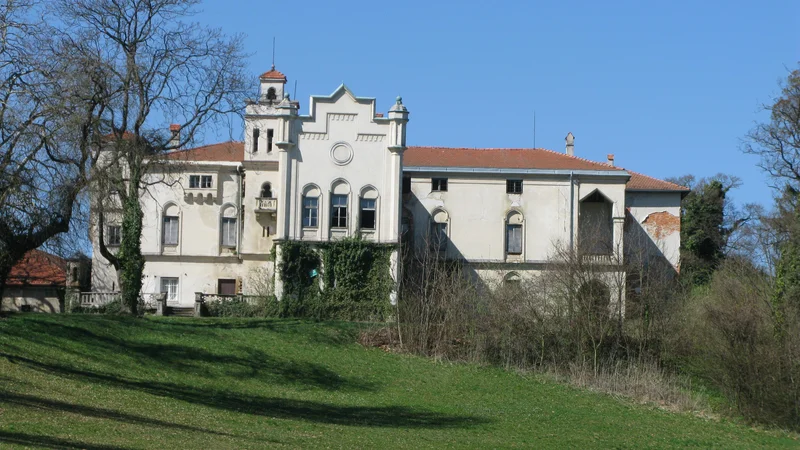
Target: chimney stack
x,y
175,136
610,159
570,144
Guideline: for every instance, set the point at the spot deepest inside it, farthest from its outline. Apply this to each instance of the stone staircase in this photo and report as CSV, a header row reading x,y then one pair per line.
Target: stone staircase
x,y
180,312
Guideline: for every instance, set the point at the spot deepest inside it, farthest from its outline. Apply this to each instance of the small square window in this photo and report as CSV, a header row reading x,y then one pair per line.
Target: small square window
x,y
205,181
514,186
439,184
194,181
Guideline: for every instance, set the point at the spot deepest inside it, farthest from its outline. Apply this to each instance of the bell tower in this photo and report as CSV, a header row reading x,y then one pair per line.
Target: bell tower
x,y
272,87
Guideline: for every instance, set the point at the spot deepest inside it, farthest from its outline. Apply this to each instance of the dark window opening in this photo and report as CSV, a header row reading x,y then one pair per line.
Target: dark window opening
x,y
367,214
205,182
256,134
514,186
595,225
439,184
438,237
406,185
271,96
113,235
194,181
339,211
266,190
74,274
270,135
226,287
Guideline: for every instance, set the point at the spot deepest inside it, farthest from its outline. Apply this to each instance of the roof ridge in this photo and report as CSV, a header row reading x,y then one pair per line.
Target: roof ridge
x,y
202,147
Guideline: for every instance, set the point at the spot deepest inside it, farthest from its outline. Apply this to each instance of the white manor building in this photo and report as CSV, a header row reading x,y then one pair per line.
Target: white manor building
x,y
345,169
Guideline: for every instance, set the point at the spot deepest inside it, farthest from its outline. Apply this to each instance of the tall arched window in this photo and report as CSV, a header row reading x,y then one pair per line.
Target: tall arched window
x,y
310,212
439,233
340,193
368,209
171,225
266,190
228,226
514,222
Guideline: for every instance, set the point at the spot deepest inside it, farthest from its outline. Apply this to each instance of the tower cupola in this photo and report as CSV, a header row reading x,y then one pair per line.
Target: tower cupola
x,y
272,86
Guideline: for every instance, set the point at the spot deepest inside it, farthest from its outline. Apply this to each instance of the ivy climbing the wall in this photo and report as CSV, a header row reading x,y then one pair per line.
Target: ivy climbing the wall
x,y
355,275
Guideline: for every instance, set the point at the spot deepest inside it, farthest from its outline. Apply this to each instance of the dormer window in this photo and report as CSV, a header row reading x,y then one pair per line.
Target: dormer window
x,y
271,96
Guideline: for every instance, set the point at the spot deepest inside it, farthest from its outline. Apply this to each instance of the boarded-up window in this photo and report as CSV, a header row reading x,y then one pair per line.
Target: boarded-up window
x,y
229,232
514,239
226,287
170,235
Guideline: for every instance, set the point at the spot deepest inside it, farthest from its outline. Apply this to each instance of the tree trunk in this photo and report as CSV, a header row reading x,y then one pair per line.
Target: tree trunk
x,y
130,253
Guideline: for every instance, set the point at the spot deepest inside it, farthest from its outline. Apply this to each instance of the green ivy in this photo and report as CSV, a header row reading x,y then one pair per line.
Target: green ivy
x,y
356,278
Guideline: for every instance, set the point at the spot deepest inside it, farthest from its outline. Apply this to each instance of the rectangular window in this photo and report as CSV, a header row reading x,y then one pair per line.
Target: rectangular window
x,y
270,135
226,287
256,133
205,182
367,214
229,232
310,212
170,235
439,184
339,211
194,181
406,185
438,236
170,287
514,239
514,186
113,235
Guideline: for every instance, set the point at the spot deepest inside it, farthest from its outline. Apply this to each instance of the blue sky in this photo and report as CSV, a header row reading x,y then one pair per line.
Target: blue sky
x,y
669,88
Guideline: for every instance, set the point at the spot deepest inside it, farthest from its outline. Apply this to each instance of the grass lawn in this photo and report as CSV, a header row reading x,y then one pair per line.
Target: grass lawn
x,y
99,382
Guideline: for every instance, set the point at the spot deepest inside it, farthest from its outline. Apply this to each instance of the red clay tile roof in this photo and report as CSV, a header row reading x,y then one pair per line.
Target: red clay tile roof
x,y
273,74
501,158
639,182
231,151
38,268
522,158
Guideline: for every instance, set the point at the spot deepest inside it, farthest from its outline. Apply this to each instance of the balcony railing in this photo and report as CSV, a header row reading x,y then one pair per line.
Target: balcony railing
x,y
597,259
95,299
264,204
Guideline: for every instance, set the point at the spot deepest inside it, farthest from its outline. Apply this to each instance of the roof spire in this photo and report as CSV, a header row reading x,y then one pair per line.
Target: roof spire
x,y
273,52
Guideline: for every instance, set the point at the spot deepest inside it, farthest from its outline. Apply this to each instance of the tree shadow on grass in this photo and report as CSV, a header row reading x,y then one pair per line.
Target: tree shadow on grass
x,y
12,438
33,402
239,362
309,411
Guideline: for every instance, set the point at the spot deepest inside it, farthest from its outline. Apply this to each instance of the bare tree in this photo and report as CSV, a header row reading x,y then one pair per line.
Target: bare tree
x,y
144,65
41,172
777,142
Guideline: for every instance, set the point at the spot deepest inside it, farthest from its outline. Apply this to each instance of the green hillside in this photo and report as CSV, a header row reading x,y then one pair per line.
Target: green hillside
x,y
100,382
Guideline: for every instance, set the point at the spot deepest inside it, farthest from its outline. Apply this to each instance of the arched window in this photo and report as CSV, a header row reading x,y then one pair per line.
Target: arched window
x,y
266,190
340,192
595,226
171,225
438,234
228,226
271,96
310,213
368,208
514,222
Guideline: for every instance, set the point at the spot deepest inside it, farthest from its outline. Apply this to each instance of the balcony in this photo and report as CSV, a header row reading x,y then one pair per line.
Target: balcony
x,y
266,205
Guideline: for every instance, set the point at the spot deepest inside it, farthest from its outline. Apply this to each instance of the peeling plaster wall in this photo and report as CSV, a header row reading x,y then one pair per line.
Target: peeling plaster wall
x,y
658,213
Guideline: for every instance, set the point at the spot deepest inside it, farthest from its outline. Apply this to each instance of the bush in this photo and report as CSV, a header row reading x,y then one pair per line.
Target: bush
x,y
262,307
